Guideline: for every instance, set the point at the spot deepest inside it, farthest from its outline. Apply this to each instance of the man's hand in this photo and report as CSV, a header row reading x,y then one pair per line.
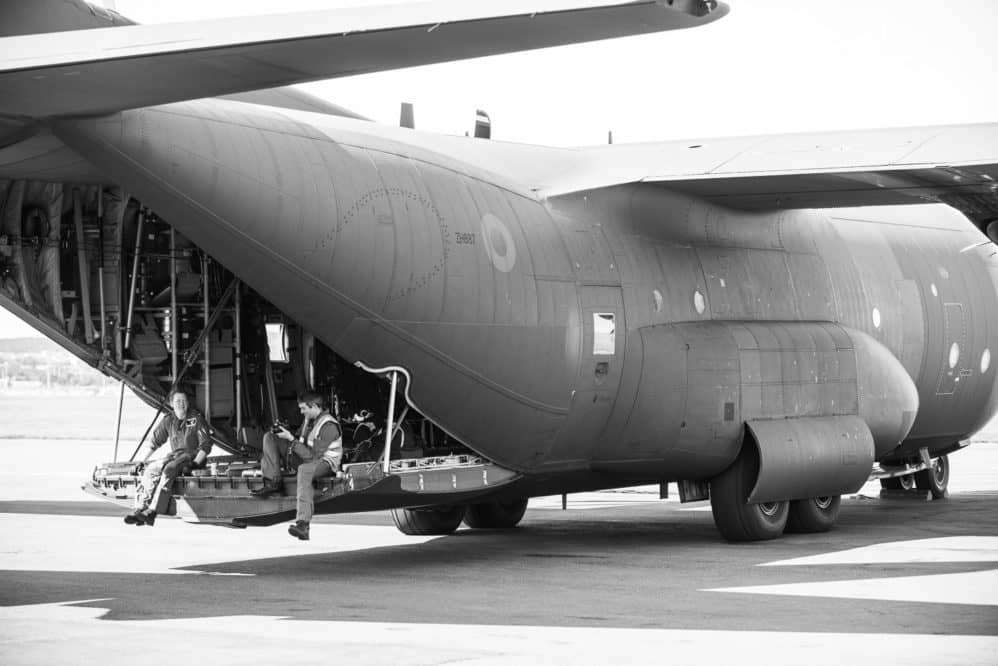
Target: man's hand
x,y
199,460
285,434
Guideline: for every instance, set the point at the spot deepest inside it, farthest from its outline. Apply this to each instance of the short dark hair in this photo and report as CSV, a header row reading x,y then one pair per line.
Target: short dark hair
x,y
178,391
313,398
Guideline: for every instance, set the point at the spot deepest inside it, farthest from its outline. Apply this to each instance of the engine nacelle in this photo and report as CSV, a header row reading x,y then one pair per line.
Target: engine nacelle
x,y
700,383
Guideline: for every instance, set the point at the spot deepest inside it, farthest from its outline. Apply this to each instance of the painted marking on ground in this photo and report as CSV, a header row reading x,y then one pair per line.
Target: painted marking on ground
x,y
943,549
54,634
978,588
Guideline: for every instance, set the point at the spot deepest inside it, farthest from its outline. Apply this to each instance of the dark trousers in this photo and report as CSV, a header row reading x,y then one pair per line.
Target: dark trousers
x,y
277,451
155,488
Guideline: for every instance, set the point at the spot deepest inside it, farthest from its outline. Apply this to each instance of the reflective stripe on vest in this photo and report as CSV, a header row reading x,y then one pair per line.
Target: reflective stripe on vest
x,y
335,451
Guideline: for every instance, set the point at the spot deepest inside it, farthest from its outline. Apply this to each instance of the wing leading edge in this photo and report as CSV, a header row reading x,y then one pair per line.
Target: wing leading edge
x,y
956,165
104,70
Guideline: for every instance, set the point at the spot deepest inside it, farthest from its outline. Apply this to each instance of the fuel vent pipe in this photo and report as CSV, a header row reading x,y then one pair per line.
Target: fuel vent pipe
x,y
389,429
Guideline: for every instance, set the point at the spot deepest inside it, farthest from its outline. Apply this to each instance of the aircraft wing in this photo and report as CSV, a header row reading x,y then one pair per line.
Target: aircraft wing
x,y
109,69
957,165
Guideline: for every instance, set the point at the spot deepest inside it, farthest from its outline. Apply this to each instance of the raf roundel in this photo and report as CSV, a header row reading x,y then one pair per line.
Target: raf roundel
x,y
498,243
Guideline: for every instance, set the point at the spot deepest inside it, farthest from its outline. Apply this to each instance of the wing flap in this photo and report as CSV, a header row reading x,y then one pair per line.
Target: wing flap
x,y
104,70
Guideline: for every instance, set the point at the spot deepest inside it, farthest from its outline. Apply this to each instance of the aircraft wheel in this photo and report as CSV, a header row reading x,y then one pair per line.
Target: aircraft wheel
x,y
427,522
736,519
906,482
496,514
815,514
935,479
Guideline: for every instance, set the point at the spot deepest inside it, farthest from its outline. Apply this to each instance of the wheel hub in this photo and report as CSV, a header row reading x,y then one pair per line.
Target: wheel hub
x,y
823,502
769,508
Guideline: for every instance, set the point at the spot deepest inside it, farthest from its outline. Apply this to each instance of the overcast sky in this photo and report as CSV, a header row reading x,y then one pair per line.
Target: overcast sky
x,y
770,66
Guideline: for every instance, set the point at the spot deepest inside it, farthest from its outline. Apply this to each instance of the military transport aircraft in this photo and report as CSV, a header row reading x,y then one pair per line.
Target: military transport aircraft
x,y
492,321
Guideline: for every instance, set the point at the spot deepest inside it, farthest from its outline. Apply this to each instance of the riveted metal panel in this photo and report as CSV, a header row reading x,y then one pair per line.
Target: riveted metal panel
x,y
648,414
913,327
712,379
581,230
598,380
748,284
954,348
681,278
421,240
810,457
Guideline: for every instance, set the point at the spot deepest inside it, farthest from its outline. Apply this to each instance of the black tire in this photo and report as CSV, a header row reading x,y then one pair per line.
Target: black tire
x,y
816,514
736,519
426,522
906,482
935,479
496,514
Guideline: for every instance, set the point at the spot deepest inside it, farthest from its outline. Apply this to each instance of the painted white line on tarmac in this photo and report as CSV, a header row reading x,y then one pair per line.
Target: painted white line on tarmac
x,y
107,545
942,549
977,588
54,634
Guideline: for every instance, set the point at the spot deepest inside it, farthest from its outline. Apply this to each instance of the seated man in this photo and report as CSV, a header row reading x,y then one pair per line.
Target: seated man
x,y
316,452
190,444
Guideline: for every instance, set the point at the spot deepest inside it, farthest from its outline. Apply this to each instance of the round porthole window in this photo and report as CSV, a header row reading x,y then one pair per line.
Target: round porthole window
x,y
935,292
985,361
698,302
657,299
876,318
954,355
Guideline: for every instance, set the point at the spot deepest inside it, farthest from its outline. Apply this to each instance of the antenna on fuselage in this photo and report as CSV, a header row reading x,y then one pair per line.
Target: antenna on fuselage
x,y
483,125
407,117
609,137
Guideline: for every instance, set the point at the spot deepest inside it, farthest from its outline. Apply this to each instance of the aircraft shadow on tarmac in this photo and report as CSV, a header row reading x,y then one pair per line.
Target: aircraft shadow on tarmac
x,y
651,565
632,567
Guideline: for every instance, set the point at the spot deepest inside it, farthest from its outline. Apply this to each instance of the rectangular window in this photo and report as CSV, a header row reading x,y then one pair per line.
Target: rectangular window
x,y
603,334
277,342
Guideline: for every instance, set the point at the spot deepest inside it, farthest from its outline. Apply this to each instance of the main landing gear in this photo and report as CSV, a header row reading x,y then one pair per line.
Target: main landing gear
x,y
906,482
935,479
738,520
438,520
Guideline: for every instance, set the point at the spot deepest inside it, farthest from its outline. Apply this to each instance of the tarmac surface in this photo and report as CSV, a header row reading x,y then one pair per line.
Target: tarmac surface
x,y
620,577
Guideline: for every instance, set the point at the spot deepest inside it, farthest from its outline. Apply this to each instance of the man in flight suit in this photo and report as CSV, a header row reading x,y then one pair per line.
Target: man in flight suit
x,y
190,444
316,451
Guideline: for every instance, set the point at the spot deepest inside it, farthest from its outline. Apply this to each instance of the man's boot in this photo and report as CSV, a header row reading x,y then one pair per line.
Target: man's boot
x,y
147,517
135,518
269,487
299,529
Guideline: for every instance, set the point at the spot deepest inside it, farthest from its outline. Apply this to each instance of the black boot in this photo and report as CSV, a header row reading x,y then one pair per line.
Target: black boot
x,y
299,529
135,518
269,487
147,517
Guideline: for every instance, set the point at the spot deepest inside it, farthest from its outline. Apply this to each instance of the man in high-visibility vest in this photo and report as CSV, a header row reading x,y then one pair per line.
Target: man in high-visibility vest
x,y
317,452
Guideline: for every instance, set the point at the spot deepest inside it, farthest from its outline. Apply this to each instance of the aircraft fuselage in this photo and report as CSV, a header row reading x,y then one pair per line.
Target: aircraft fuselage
x,y
628,331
